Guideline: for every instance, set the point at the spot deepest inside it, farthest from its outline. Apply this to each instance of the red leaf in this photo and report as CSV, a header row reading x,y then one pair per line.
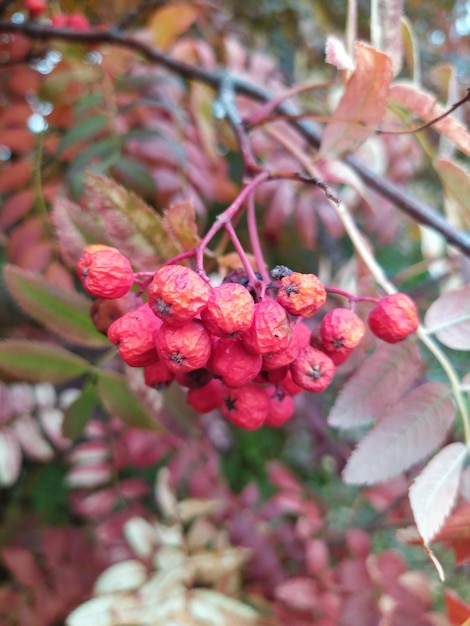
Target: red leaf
x,y
406,434
457,526
423,104
22,565
15,175
449,318
376,386
457,610
362,105
433,492
16,207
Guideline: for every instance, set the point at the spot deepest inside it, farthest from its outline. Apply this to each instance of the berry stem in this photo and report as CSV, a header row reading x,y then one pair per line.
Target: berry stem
x,y
224,218
350,296
242,254
254,239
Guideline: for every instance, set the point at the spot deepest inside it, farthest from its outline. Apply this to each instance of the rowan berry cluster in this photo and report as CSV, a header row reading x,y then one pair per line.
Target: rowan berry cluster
x,y
232,351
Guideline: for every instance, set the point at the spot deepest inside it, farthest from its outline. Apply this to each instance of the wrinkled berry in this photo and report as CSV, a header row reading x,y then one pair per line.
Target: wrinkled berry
x,y
183,348
233,364
177,294
246,407
229,311
105,272
157,375
313,370
105,311
394,318
133,334
301,294
341,330
270,331
281,408
207,398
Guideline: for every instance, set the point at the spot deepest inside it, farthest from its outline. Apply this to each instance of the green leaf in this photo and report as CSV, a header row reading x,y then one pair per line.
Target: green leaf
x,y
64,313
83,132
35,361
130,224
76,416
135,175
120,401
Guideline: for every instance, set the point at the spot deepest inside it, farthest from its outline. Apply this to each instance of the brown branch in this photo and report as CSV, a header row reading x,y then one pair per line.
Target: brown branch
x,y
414,208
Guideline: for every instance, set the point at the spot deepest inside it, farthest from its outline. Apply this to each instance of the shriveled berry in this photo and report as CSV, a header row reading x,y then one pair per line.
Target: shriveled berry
x,y
133,334
394,318
105,272
206,398
300,339
301,294
229,311
60,20
313,370
36,7
105,311
281,408
157,375
194,379
341,330
270,331
233,364
288,385
183,348
177,294
246,407
272,376
78,21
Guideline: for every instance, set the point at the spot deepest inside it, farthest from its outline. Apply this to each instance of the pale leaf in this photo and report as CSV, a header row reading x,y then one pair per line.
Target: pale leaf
x,y
10,457
433,492
405,435
424,106
448,318
385,29
363,104
121,577
337,55
455,178
377,385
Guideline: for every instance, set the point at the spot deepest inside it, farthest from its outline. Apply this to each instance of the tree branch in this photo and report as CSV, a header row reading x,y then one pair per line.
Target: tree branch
x,y
417,210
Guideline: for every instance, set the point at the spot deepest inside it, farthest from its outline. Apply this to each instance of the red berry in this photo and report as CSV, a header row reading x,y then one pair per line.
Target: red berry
x,y
177,294
195,378
78,21
246,407
133,334
312,369
270,331
289,386
184,348
105,311
60,20
207,398
301,294
281,409
272,376
157,375
231,362
341,330
105,272
36,7
300,339
394,318
229,311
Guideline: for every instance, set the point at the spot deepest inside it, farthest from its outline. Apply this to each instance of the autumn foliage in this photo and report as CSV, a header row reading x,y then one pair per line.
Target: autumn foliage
x,y
233,364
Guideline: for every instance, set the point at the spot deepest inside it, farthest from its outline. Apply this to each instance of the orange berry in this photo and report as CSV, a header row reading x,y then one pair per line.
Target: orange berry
x,y
301,294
